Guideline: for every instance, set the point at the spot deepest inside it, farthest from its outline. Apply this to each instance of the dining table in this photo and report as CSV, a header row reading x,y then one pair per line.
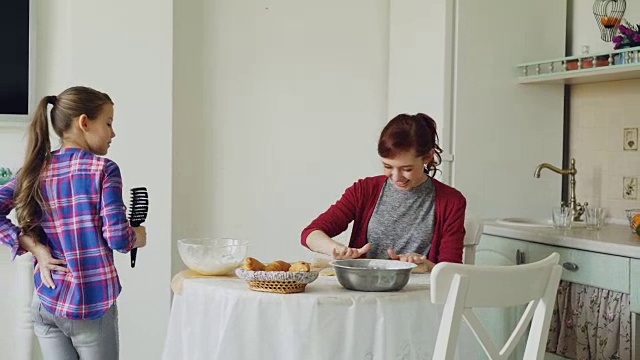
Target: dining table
x,y
221,318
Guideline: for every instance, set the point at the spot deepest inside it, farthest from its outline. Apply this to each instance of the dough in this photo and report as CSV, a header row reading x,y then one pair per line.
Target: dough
x,y
330,271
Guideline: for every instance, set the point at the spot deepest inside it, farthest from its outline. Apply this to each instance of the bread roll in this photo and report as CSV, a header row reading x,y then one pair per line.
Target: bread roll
x,y
300,266
278,265
252,264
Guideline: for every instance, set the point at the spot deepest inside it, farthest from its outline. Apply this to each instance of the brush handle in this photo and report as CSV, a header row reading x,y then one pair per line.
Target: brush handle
x,y
134,254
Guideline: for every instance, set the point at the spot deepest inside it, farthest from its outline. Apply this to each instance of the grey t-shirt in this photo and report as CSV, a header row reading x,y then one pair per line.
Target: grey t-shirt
x,y
402,220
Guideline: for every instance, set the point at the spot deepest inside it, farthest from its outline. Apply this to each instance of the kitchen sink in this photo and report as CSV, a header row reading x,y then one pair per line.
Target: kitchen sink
x,y
531,222
527,222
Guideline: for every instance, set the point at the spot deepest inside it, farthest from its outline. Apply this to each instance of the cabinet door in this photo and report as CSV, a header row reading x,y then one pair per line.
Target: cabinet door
x,y
421,63
503,130
500,322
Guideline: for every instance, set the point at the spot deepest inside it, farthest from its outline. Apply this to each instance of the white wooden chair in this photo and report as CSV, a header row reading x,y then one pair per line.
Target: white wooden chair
x,y
462,287
473,228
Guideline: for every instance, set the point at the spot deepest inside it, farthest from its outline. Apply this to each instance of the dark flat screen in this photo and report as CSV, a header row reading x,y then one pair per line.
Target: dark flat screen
x,y
14,57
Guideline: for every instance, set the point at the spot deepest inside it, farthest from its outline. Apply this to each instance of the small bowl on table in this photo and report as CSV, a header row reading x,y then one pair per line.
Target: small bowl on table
x,y
372,274
212,256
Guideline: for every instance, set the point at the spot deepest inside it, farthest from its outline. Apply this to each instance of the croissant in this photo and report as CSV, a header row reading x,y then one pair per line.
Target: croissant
x,y
300,266
252,264
278,265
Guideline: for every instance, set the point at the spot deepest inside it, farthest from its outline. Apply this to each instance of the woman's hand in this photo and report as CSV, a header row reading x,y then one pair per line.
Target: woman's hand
x,y
424,265
341,252
47,263
410,257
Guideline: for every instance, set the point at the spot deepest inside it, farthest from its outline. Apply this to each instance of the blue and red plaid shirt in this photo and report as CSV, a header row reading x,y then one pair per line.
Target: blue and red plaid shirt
x,y
84,222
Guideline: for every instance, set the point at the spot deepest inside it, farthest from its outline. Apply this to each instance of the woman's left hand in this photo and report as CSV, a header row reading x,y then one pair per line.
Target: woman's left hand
x,y
424,265
410,257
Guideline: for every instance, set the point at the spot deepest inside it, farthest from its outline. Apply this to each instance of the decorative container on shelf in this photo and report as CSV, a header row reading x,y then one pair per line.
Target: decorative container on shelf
x,y
587,63
620,59
5,175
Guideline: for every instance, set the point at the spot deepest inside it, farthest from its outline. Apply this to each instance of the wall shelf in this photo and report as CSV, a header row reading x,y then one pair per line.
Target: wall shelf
x,y
615,65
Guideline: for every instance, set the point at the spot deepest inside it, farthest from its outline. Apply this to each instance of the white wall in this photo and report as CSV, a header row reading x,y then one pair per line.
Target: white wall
x,y
12,146
279,105
585,30
599,114
125,49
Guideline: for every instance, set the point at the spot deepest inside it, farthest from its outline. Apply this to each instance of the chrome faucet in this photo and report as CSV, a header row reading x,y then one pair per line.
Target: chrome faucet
x,y
577,209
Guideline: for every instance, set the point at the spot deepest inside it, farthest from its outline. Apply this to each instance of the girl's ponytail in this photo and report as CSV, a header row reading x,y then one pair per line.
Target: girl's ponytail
x,y
431,167
28,196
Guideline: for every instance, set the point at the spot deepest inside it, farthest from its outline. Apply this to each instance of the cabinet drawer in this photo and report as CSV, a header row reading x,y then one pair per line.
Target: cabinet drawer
x,y
585,267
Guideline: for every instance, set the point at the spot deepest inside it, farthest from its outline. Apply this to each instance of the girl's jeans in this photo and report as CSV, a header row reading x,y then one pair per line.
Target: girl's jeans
x,y
66,339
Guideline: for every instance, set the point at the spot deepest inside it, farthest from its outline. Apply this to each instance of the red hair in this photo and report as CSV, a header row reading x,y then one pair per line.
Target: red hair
x,y
411,132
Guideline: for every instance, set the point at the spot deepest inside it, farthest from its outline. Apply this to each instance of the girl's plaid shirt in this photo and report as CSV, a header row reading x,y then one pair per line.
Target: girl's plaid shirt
x,y
84,222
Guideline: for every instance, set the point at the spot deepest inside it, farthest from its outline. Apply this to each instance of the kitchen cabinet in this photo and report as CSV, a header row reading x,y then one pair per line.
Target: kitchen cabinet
x,y
500,322
617,272
457,60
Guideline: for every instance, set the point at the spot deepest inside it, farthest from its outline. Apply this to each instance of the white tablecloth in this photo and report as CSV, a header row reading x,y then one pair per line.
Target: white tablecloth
x,y
220,318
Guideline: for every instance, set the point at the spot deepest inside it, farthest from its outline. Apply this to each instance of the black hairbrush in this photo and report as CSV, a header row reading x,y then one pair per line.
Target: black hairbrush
x,y
138,213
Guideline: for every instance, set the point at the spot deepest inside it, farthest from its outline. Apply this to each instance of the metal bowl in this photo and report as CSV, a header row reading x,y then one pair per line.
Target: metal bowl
x,y
372,274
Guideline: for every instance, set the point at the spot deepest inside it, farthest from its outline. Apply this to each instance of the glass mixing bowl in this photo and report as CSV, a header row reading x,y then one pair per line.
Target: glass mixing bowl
x,y
212,256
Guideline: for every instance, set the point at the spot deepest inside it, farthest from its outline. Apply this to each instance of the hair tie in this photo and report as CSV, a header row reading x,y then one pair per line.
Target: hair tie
x,y
52,99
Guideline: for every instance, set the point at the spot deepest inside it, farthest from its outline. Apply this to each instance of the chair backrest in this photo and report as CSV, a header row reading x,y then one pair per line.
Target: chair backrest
x,y
462,287
473,228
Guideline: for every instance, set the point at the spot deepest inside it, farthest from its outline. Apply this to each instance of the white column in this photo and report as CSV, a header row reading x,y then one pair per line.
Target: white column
x,y
23,287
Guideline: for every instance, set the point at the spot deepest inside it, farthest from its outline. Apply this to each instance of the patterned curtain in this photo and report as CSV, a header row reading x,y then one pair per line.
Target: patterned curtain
x,y
590,323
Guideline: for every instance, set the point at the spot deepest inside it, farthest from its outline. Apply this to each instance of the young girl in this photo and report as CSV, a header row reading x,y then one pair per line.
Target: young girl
x,y
404,214
71,217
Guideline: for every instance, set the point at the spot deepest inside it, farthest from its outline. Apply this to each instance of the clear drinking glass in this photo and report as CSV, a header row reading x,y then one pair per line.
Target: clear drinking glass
x,y
594,217
561,217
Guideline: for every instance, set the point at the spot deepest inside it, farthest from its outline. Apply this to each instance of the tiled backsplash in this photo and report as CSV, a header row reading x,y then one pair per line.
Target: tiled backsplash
x,y
605,118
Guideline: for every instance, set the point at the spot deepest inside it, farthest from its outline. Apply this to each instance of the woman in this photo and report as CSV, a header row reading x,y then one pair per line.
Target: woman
x,y
405,214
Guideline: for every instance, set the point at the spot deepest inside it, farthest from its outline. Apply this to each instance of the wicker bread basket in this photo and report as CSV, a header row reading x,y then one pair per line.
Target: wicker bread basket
x,y
281,282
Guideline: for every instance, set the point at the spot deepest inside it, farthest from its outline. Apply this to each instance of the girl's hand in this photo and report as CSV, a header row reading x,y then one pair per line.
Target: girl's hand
x,y
47,263
424,265
141,236
341,252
